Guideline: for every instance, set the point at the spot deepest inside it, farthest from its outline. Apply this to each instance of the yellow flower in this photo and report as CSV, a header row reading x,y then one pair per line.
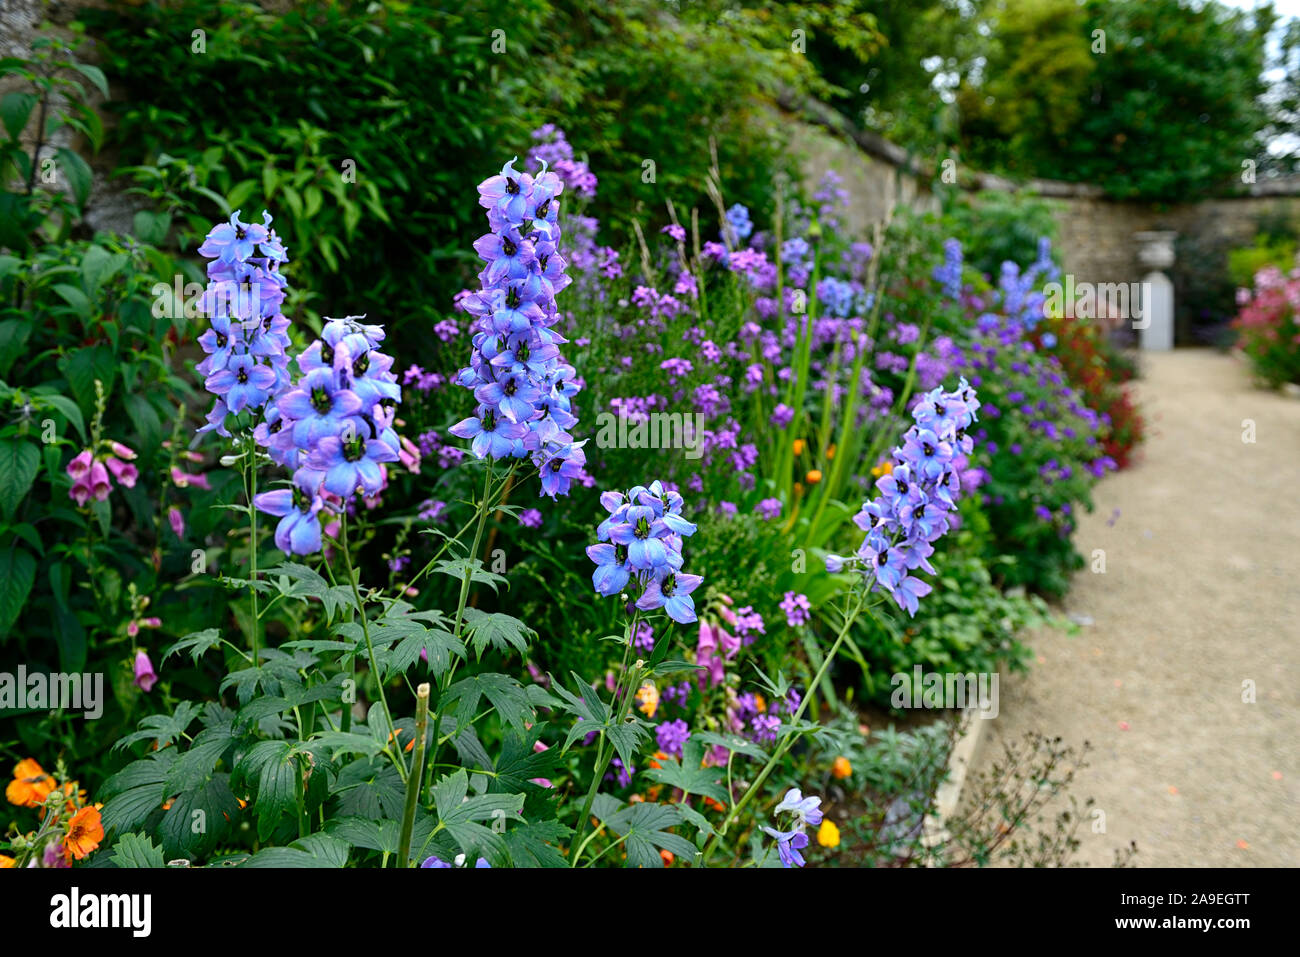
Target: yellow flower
x,y
884,468
828,835
798,447
6,861
814,476
830,451
841,768
760,705
648,695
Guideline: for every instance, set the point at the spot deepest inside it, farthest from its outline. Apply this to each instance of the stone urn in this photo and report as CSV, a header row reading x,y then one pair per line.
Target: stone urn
x,y
1154,320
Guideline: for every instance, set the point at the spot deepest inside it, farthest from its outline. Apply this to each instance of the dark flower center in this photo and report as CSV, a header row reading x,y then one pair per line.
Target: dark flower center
x,y
543,209
239,232
902,486
512,185
361,364
669,585
327,353
620,554
508,247
928,449
511,387
241,376
221,341
556,464
489,421
300,500
320,400
882,558
512,298
938,408
354,448
642,529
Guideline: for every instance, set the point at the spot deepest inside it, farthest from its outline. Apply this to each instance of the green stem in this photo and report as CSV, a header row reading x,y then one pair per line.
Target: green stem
x,y
413,782
251,468
787,740
604,754
484,509
365,630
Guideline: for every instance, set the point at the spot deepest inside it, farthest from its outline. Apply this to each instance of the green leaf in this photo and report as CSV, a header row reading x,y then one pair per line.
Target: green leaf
x,y
75,298
536,844
15,109
646,829
197,644
83,367
687,774
197,765
137,850
732,742
496,630
135,792
199,818
505,693
150,227
274,764
65,407
77,172
314,850
162,728
457,568
19,463
17,573
94,74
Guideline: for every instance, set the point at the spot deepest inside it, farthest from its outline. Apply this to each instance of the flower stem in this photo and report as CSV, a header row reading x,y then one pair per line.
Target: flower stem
x,y
789,737
251,472
484,508
365,630
604,755
415,778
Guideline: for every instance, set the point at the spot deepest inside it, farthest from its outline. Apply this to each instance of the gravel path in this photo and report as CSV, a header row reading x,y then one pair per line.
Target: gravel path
x,y
1200,594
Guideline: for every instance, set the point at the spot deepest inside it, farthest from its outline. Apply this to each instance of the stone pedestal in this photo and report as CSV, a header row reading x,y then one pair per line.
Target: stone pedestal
x,y
1155,326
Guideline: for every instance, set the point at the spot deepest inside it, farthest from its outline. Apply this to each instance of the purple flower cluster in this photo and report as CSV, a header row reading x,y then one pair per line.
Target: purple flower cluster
x,y
248,338
516,372
796,608
641,541
948,273
917,498
333,429
552,149
805,812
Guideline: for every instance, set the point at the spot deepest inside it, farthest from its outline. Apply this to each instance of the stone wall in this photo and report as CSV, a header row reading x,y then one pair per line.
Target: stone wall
x,y
1096,234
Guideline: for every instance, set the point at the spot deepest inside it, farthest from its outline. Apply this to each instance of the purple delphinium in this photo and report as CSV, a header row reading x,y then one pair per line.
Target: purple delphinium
x,y
807,813
641,542
333,429
247,340
520,380
917,499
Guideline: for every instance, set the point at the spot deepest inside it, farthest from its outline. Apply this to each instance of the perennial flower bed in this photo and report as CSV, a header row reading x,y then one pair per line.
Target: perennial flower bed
x,y
380,600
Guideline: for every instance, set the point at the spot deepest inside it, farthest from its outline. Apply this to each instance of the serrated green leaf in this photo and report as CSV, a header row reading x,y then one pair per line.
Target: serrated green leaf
x,y
137,850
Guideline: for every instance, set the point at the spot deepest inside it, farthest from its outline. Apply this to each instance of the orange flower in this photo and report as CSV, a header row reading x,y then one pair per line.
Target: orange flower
x,y
760,704
30,786
6,861
634,799
841,768
830,452
85,831
648,695
884,468
76,796
798,447
715,804
397,733
659,756
814,476
653,791
667,855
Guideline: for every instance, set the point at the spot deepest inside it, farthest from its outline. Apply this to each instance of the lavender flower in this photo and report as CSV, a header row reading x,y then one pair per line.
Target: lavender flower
x,y
918,497
641,542
522,384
